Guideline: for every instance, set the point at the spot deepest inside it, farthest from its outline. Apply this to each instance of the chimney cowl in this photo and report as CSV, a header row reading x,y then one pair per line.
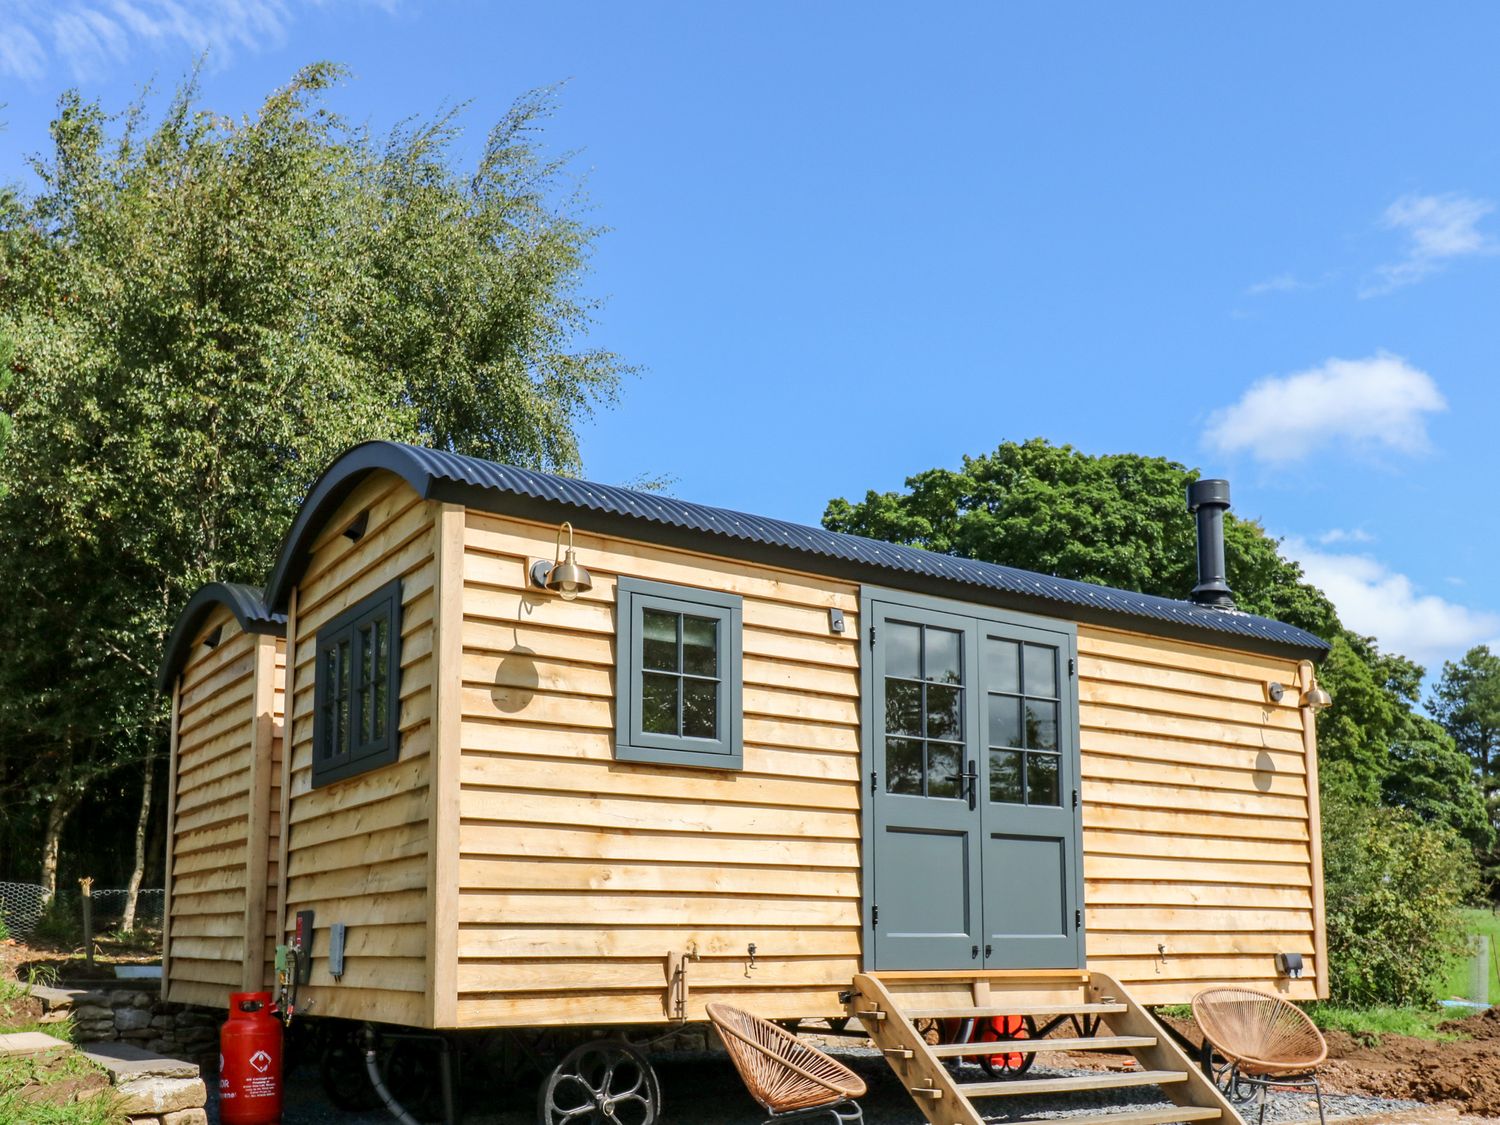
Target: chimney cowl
x,y
1209,500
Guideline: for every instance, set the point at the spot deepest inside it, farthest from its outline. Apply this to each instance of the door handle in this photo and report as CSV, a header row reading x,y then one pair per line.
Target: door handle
x,y
971,775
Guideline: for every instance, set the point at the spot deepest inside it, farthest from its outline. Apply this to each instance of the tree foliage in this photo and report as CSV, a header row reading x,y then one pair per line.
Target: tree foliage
x,y
199,314
1394,886
1466,702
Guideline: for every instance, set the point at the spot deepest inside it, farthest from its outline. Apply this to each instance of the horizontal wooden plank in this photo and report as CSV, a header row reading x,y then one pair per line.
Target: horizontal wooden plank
x,y
1167,821
650,973
526,840
376,813
1268,780
588,942
1099,841
1231,869
588,1010
1187,798
608,813
1196,918
625,779
586,879
1094,640
1103,944
1164,701
373,878
1123,744
1100,892
1098,716
1183,991
656,910
368,847
1183,679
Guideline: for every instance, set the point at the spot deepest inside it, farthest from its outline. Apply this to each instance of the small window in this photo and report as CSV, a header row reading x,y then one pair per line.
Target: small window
x,y
677,676
356,687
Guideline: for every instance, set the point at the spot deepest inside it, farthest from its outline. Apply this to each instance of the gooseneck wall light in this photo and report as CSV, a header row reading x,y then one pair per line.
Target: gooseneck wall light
x,y
564,576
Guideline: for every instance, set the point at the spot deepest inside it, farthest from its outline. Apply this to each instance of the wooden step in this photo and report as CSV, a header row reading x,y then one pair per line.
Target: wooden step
x,y
1148,1117
1016,1010
1027,1046
1052,976
1108,1080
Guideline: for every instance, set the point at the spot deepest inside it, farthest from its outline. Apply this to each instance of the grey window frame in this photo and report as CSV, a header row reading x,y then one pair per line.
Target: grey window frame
x,y
726,752
384,603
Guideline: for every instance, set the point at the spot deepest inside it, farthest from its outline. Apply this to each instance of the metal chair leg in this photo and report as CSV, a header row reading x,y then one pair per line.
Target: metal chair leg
x,y
1318,1092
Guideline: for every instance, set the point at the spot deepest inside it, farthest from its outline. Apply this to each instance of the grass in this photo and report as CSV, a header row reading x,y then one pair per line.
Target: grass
x,y
1456,983
16,1110
1369,1024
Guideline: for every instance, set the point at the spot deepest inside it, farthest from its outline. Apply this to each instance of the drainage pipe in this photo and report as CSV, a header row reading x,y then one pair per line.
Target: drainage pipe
x,y
368,1040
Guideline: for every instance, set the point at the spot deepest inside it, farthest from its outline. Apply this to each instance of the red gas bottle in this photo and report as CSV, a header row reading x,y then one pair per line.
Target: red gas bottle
x,y
250,1062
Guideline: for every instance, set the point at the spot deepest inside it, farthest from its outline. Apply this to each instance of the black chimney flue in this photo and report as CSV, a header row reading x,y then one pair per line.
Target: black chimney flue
x,y
1209,500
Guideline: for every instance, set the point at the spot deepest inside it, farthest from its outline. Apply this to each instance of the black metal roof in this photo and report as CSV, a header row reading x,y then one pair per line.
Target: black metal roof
x,y
245,602
506,489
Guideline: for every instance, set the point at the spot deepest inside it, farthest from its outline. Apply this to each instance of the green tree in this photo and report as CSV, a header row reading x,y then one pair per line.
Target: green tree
x,y
1394,886
1466,702
203,312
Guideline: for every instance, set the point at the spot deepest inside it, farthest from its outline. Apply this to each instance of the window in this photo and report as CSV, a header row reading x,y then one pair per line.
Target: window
x,y
677,676
924,710
1024,705
356,687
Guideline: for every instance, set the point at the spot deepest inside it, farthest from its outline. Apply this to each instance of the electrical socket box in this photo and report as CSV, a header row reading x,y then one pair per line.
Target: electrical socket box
x,y
304,945
1289,965
336,949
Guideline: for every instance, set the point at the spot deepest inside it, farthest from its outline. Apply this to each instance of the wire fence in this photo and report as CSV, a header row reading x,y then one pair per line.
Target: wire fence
x,y
22,906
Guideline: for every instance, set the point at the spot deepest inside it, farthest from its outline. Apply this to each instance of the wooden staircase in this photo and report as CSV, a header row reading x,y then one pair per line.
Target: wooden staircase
x,y
889,1003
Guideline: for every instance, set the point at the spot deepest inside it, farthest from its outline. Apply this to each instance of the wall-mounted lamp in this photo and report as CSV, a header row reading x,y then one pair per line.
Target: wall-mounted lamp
x,y
1315,698
212,640
566,578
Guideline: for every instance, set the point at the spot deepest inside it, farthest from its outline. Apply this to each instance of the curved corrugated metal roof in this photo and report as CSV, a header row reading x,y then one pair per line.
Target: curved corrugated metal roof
x,y
488,485
245,602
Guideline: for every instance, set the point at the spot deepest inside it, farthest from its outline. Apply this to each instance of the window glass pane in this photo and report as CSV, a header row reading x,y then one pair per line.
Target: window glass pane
x,y
1041,725
944,762
331,671
659,703
1005,776
700,708
1005,721
381,686
945,656
944,711
1002,665
903,707
329,720
903,766
700,646
341,729
659,640
379,701
903,650
366,655
1041,779
1041,670
343,669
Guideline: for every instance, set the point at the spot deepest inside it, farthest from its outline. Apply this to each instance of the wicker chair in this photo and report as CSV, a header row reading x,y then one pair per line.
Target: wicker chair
x,y
790,1079
1266,1041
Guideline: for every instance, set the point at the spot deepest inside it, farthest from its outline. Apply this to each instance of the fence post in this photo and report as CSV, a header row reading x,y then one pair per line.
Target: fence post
x,y
88,920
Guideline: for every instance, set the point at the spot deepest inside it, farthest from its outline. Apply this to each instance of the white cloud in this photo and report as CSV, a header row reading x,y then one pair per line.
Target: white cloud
x,y
90,37
1281,283
1438,229
1345,535
1380,402
1377,601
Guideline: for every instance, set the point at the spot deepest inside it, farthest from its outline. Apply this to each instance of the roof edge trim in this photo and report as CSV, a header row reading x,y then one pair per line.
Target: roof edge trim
x,y
249,610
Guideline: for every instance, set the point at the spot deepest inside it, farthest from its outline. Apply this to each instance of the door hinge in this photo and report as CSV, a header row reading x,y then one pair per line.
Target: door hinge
x,y
873,789
874,915
872,636
1075,798
1072,667
1078,919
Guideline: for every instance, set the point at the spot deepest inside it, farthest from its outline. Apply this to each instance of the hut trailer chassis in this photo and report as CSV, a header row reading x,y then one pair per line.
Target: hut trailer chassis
x,y
727,759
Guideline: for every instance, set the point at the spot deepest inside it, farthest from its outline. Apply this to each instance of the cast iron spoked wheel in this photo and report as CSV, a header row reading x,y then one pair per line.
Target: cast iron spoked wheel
x,y
1225,1075
345,1079
1006,1064
607,1082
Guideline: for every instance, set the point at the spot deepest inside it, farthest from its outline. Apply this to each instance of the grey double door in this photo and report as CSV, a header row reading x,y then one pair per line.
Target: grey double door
x,y
974,814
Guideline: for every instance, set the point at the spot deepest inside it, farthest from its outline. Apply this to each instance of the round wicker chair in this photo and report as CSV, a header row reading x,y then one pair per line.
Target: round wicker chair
x,y
792,1080
1264,1040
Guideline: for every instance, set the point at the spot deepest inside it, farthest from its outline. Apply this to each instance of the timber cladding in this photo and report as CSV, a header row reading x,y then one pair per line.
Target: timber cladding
x,y
220,832
1198,859
357,851
578,874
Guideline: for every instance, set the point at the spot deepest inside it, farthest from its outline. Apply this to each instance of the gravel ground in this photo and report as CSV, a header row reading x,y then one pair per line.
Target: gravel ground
x,y
705,1090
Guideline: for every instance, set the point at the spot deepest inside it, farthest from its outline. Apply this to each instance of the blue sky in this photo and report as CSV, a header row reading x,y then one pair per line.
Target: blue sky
x,y
853,241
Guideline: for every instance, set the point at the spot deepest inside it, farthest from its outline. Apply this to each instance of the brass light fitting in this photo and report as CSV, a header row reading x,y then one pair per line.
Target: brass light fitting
x,y
566,578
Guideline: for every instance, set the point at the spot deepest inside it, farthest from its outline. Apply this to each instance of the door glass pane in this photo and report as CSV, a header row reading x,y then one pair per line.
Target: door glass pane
x,y
1002,665
1005,721
903,707
700,708
1041,725
945,711
903,650
659,640
944,762
1041,779
945,656
700,646
1041,670
659,703
1005,776
903,766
